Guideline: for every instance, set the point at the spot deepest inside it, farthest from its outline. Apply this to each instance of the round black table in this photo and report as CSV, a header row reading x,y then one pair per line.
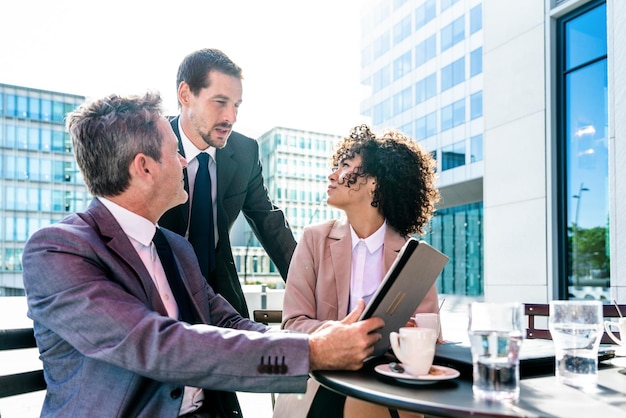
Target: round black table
x,y
539,396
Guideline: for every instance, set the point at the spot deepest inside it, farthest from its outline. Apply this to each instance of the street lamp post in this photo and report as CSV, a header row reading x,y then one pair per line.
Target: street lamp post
x,y
575,261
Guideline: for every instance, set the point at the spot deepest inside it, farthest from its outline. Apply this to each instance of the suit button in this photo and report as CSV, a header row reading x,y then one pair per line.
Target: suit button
x,y
175,394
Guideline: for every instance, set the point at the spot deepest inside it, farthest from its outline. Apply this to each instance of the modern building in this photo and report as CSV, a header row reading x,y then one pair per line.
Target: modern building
x,y
521,103
39,180
296,165
422,61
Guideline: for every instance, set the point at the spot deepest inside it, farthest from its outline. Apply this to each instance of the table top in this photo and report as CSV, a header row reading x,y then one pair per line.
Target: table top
x,y
539,396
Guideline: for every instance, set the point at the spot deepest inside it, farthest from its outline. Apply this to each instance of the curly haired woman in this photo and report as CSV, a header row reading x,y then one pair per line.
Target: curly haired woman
x,y
386,187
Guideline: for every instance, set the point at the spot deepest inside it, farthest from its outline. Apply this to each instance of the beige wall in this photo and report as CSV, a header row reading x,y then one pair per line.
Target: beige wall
x,y
515,151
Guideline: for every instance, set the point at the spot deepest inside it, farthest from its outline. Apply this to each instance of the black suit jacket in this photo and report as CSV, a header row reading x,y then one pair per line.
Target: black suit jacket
x,y
240,188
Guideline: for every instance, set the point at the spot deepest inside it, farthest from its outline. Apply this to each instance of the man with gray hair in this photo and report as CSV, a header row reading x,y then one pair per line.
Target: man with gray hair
x,y
125,322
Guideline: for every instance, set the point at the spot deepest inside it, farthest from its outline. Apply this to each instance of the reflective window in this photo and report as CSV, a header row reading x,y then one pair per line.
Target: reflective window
x,y
583,151
382,112
476,148
46,139
11,105
33,139
453,156
458,231
46,110
585,37
402,101
476,105
382,78
407,129
426,88
402,65
476,62
446,4
453,74
381,45
453,33
426,50
425,13
401,30
476,18
426,126
22,106
57,111
453,115
34,109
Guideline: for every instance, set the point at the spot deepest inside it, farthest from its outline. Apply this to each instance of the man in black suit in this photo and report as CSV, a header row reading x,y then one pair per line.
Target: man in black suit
x,y
209,95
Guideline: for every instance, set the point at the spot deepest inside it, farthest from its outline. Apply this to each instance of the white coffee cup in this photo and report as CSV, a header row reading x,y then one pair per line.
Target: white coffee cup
x,y
415,348
619,324
427,320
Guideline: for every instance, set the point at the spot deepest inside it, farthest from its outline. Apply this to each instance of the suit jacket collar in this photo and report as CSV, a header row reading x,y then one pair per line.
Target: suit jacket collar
x,y
103,222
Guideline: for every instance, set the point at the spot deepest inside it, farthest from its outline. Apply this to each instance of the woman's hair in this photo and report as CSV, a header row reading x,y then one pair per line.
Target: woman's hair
x,y
108,133
405,190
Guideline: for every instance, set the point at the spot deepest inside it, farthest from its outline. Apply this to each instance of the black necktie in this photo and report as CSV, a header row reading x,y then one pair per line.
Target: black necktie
x,y
173,277
201,229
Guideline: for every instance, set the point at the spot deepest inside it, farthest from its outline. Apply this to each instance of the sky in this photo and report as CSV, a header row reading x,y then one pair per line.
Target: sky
x,y
300,59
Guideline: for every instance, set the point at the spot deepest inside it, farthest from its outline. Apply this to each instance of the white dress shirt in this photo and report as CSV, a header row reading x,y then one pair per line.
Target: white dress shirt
x,y
367,265
192,168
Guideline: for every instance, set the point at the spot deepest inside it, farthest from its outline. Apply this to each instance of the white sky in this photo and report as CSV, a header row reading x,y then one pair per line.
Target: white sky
x,y
300,59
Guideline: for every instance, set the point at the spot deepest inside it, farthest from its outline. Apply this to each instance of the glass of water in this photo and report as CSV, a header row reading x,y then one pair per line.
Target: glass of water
x,y
496,335
576,328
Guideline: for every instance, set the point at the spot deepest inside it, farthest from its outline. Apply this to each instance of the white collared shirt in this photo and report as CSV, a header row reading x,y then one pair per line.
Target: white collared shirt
x,y
191,152
367,265
140,231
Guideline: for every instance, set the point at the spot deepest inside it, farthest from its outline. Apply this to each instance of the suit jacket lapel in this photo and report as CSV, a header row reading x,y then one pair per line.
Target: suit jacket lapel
x,y
341,255
392,245
117,241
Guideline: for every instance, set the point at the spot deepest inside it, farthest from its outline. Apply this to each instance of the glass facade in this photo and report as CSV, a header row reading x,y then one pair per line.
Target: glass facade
x,y
439,102
458,233
583,154
40,182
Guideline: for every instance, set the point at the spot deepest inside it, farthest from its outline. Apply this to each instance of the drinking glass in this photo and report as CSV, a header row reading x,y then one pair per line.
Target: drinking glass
x,y
496,335
576,327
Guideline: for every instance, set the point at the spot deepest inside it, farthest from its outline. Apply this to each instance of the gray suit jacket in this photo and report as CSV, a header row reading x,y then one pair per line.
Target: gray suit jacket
x,y
107,345
240,188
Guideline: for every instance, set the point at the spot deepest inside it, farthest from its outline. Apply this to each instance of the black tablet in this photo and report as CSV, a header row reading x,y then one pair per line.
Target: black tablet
x,y
404,287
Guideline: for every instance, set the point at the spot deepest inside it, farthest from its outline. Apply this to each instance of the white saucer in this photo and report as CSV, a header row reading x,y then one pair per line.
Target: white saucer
x,y
404,377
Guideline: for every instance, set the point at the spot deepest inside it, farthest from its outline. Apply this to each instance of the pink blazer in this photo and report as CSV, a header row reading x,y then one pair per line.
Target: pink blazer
x,y
318,282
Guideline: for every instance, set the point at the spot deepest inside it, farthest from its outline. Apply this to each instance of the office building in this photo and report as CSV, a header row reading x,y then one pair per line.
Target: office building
x,y
296,165
39,182
521,103
422,61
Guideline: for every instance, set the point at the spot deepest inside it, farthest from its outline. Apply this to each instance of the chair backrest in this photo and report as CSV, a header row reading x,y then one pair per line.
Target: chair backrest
x,y
19,383
543,310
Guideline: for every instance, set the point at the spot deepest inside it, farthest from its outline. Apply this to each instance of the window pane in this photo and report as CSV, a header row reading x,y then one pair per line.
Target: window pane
x,y
402,66
453,156
402,29
587,162
476,105
476,145
476,62
476,19
425,13
585,37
